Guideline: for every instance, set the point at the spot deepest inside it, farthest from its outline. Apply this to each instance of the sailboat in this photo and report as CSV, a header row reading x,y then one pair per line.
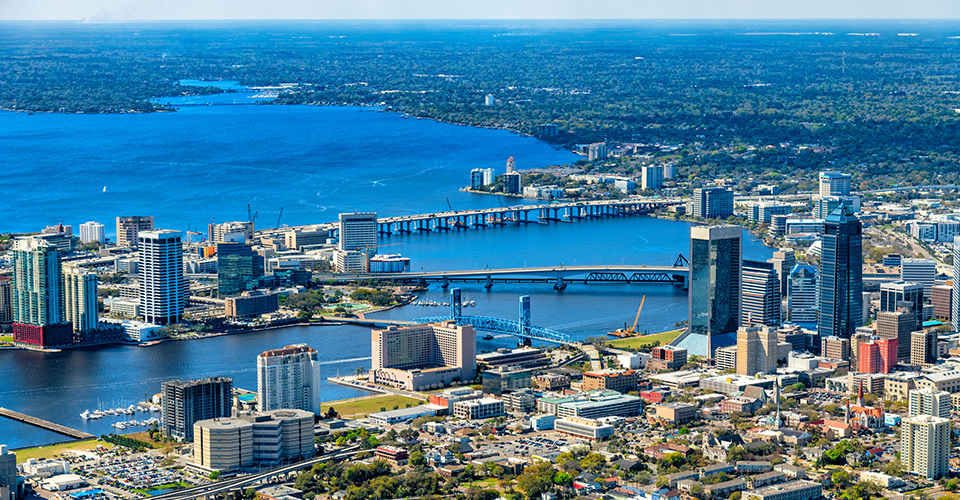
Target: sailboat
x,y
104,189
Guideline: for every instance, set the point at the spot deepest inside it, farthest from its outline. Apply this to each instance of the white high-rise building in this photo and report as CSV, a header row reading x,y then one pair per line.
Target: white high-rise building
x,y
928,401
358,233
289,378
92,231
925,445
921,271
80,298
651,177
834,184
955,304
162,285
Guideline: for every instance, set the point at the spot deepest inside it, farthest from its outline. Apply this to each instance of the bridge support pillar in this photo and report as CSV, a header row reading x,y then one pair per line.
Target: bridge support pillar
x,y
446,283
560,286
489,284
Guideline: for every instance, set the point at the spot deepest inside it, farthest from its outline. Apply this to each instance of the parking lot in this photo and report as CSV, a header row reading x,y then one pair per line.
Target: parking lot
x,y
532,445
140,473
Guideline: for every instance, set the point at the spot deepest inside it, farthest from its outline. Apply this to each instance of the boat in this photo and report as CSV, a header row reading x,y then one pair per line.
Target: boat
x,y
85,415
488,337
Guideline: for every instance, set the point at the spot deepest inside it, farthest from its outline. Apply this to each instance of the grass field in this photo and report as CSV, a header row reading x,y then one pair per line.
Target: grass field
x,y
6,339
664,338
369,405
57,449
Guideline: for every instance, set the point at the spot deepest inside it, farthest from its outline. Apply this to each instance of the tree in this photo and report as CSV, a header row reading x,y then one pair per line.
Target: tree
x,y
563,479
536,479
841,479
696,490
594,462
663,482
214,475
735,495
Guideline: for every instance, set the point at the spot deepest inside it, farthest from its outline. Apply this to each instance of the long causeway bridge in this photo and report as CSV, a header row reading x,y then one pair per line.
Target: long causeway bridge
x,y
44,424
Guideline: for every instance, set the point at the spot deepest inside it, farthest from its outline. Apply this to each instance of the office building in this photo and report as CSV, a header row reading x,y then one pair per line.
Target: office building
x,y
925,445
622,381
424,356
228,231
260,439
128,229
8,473
803,294
923,347
512,183
80,299
893,296
187,402
712,203
929,401
6,303
667,357
726,358
834,184
251,304
783,261
37,295
920,271
583,428
503,379
289,378
760,294
163,288
600,404
351,261
763,212
898,325
296,239
651,177
794,490
358,231
841,275
478,409
389,263
835,348
955,302
941,299
239,268
714,289
756,350
877,356
824,206
91,232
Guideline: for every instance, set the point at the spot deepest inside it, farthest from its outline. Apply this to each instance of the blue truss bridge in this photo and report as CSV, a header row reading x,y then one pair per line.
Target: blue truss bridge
x,y
521,328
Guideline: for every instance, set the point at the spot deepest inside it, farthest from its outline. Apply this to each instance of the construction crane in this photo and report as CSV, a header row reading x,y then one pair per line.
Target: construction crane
x,y
499,201
249,214
632,331
449,205
278,219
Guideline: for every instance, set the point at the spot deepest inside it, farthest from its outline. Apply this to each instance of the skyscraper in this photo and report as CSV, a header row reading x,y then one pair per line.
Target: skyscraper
x,y
187,402
898,325
892,296
925,445
129,227
238,268
756,350
358,241
929,401
955,304
921,271
783,261
651,177
37,295
92,231
712,203
289,378
714,289
834,184
841,275
6,303
923,347
760,297
80,298
803,294
162,285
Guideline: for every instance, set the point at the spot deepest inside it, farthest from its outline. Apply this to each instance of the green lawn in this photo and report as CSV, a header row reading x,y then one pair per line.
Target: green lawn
x,y
6,339
368,405
633,342
57,449
181,484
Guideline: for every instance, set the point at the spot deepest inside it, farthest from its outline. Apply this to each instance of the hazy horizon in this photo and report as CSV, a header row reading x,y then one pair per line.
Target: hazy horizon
x,y
357,10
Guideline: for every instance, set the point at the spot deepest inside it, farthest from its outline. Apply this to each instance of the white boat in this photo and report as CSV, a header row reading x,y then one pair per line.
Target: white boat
x,y
85,415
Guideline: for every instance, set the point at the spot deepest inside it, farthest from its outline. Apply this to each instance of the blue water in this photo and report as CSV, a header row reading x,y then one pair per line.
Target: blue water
x,y
199,163
188,166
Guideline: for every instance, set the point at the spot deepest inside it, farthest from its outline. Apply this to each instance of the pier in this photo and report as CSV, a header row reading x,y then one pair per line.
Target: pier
x,y
44,424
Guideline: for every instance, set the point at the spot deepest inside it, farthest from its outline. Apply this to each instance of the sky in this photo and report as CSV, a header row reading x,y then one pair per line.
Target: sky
x,y
140,10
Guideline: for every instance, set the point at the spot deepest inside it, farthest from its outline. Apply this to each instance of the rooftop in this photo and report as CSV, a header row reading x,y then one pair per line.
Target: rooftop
x,y
778,488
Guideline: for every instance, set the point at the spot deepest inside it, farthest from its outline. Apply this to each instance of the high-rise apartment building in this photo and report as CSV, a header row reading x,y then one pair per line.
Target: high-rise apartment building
x,y
877,356
834,184
512,183
480,177
651,177
80,298
239,268
756,350
358,233
760,294
163,287
92,232
511,166
925,445
37,294
921,271
803,294
835,348
712,203
416,357
841,275
128,229
783,261
716,255
898,325
923,347
289,378
929,401
186,402
955,303
6,303
894,295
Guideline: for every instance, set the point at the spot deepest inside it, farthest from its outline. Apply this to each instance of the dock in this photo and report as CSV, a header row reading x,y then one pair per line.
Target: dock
x,y
44,424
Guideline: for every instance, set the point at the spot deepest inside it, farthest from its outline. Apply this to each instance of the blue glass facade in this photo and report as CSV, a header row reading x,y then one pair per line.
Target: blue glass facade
x,y
239,268
841,275
714,288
